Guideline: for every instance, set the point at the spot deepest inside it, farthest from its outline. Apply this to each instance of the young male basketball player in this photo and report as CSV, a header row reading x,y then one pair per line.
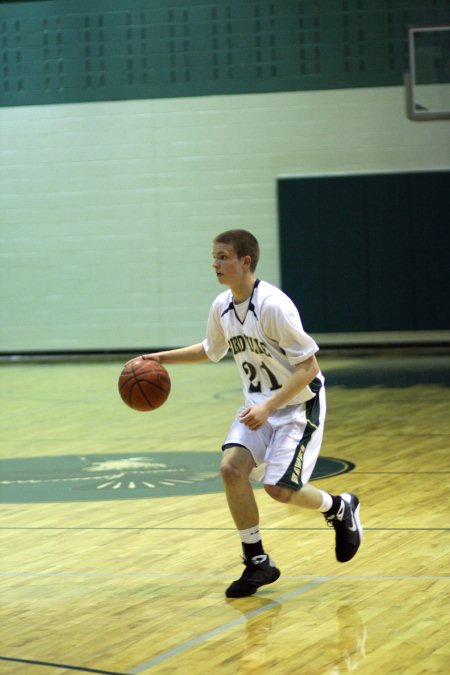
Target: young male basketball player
x,y
278,431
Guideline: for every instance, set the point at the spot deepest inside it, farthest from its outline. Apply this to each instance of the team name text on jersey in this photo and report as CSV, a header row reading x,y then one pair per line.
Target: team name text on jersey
x,y
239,343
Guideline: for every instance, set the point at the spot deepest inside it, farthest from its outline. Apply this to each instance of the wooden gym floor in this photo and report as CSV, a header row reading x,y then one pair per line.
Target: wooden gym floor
x,y
116,543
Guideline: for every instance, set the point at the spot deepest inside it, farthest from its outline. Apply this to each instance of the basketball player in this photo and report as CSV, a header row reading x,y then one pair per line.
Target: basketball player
x,y
277,433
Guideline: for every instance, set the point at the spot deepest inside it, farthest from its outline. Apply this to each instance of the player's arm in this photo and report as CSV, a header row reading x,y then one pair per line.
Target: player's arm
x,y
303,374
192,354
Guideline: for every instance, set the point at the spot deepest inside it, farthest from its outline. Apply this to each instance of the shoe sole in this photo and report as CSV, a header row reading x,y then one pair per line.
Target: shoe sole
x,y
358,524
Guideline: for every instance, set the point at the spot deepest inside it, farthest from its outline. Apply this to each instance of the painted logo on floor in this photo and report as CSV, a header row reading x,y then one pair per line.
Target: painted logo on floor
x,y
124,476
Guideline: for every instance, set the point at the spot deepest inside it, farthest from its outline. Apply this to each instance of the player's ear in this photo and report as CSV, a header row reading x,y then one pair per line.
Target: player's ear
x,y
248,260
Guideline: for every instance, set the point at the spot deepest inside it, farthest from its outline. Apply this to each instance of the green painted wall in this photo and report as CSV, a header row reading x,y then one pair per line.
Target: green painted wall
x,y
367,252
61,51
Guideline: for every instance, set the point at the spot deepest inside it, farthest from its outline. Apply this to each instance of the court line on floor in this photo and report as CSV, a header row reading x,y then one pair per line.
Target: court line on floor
x,y
50,664
209,529
204,637
171,575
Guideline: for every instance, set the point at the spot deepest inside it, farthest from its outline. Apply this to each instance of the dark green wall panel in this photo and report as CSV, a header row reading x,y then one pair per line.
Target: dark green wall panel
x,y
367,252
64,51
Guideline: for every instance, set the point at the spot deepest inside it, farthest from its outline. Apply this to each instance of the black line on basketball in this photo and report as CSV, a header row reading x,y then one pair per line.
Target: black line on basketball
x,y
154,384
144,395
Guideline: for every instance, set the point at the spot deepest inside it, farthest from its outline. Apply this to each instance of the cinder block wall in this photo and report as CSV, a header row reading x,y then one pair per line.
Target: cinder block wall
x,y
108,208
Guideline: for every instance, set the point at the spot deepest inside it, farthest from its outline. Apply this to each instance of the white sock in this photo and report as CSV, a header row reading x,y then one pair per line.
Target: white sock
x,y
327,502
250,536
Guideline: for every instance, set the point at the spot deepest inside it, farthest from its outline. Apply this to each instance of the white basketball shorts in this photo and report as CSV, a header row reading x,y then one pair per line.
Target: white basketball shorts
x,y
285,449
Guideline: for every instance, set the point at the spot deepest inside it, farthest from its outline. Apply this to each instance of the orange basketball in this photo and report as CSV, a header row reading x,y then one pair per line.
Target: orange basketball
x,y
144,384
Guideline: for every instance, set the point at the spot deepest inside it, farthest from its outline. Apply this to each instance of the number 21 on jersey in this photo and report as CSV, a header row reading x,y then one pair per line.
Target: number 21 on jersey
x,y
255,384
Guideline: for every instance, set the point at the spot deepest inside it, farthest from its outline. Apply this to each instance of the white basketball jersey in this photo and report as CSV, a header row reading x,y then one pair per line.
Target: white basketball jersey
x,y
267,340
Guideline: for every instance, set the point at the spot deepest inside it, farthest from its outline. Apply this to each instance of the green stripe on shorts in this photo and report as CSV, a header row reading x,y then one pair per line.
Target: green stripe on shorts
x,y
292,476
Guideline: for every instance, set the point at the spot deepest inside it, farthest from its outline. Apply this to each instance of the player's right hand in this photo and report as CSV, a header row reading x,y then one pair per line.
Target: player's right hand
x,y
152,357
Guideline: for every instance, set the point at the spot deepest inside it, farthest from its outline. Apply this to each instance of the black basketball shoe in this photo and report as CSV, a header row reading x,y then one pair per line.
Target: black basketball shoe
x,y
259,571
347,526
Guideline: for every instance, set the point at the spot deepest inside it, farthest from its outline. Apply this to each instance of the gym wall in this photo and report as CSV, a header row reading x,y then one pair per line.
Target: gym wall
x,y
133,131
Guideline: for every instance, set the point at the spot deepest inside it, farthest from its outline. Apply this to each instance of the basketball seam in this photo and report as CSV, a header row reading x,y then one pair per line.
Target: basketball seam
x,y
154,384
143,394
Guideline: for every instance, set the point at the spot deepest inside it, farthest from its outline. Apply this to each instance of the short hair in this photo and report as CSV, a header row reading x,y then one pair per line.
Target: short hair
x,y
243,242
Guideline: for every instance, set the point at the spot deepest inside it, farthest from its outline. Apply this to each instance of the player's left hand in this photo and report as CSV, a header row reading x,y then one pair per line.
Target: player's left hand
x,y
255,416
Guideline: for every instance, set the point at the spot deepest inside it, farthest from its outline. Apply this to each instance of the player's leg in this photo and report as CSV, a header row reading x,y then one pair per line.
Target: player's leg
x,y
308,497
292,456
340,511
237,464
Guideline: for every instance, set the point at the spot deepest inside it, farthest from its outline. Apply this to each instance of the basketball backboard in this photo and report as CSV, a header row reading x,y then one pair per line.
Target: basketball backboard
x,y
428,80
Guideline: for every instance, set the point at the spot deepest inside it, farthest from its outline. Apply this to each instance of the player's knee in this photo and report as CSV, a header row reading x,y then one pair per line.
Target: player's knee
x,y
231,470
236,465
279,493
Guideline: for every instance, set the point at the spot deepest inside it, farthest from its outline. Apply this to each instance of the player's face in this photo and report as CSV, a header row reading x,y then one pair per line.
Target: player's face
x,y
228,267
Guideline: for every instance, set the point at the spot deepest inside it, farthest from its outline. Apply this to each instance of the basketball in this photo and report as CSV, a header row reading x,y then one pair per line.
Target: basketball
x,y
144,384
